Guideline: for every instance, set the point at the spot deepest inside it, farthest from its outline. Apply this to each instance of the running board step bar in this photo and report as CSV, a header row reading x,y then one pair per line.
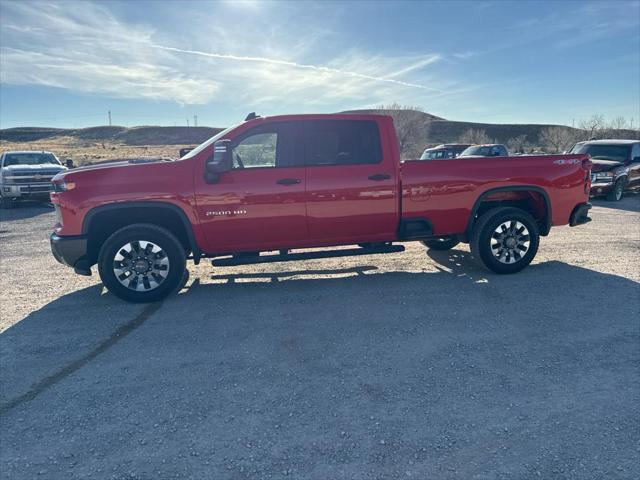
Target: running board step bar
x,y
290,257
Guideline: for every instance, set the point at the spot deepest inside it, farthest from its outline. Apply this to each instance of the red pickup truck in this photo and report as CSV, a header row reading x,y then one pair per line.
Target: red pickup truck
x,y
290,182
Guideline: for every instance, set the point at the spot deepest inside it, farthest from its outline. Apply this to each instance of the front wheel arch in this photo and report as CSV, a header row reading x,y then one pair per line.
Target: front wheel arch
x,y
102,221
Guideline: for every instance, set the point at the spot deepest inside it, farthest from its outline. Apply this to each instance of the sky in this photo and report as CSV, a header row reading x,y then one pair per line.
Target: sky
x,y
67,63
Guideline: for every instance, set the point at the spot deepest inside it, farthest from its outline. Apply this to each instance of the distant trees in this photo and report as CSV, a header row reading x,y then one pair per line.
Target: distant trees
x,y
556,139
412,127
474,136
592,126
596,127
519,144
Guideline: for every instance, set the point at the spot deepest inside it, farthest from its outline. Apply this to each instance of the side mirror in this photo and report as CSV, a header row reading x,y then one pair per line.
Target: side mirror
x,y
219,162
69,163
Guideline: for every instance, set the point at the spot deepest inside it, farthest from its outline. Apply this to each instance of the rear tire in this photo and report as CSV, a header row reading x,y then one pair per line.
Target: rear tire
x,y
505,239
142,263
441,243
615,195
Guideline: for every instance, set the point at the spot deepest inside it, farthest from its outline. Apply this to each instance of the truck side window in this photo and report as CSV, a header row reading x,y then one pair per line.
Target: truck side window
x,y
270,146
342,142
635,152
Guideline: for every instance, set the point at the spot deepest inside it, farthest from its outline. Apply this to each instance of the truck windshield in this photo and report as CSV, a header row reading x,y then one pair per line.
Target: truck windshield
x,y
204,145
30,159
617,153
428,155
481,151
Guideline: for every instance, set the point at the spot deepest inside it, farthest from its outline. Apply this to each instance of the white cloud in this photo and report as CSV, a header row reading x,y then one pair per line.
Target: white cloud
x,y
88,49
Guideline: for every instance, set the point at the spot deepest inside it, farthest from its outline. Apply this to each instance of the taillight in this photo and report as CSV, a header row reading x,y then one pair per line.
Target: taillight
x,y
586,166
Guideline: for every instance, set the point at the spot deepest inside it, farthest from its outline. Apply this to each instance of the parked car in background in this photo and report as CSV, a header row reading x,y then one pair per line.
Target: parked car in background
x,y
446,150
488,150
301,181
27,175
616,166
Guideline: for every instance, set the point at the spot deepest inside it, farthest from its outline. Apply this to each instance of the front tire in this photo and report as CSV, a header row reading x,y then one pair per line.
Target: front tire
x,y
142,263
441,243
505,239
615,195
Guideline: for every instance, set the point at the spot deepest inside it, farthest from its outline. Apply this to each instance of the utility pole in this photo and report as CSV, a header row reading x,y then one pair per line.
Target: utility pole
x,y
195,120
187,122
109,117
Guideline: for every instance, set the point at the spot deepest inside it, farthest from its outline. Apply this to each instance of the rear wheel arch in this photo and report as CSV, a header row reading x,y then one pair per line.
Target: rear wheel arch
x,y
102,221
530,198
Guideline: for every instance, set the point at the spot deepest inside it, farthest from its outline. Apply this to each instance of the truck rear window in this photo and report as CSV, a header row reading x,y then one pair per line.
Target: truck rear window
x,y
342,142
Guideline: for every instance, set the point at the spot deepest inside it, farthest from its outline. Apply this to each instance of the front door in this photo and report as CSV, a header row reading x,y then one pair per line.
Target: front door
x,y
260,203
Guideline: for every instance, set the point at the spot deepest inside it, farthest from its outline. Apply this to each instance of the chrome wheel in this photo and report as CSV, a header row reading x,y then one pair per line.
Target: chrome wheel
x,y
510,242
140,265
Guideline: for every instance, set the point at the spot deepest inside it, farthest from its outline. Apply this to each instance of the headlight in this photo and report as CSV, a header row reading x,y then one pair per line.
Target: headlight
x,y
603,175
63,186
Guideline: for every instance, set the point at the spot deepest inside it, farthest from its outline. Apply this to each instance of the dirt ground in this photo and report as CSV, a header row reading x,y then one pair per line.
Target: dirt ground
x,y
84,152
412,365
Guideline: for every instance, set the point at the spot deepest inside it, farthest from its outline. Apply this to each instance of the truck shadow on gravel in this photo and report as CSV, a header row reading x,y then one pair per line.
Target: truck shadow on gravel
x,y
355,373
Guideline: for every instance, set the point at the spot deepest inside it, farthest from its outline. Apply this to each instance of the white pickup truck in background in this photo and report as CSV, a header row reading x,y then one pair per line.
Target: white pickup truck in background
x,y
26,175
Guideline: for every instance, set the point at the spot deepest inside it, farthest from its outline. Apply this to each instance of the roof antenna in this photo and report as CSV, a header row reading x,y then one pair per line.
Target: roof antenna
x,y
251,116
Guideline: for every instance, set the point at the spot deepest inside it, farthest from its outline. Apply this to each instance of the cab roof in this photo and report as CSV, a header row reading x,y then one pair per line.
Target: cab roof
x,y
612,141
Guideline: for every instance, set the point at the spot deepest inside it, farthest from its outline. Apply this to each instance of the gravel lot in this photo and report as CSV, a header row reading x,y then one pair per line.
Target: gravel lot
x,y
410,365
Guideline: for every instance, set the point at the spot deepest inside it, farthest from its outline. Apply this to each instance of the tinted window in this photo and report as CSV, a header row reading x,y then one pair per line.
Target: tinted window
x,y
635,152
269,146
342,142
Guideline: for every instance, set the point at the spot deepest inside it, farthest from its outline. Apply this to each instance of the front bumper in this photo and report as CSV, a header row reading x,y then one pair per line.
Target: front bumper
x,y
31,190
579,216
71,251
599,188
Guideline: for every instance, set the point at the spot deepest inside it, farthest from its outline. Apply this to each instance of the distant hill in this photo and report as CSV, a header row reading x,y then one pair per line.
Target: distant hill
x,y
444,131
434,130
426,116
147,135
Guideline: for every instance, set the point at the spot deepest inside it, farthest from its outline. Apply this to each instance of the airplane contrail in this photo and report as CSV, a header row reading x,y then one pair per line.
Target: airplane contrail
x,y
287,63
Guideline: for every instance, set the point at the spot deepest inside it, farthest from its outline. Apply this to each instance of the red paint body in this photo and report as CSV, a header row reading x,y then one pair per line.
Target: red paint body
x,y
332,204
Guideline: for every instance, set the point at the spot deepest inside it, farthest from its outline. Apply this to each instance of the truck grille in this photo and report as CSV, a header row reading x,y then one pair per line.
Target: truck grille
x,y
30,177
36,189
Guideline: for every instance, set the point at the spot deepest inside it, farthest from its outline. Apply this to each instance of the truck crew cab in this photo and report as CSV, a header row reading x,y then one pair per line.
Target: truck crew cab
x,y
299,181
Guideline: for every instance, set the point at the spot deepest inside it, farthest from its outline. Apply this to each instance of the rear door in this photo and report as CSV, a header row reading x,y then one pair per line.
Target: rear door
x,y
352,181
